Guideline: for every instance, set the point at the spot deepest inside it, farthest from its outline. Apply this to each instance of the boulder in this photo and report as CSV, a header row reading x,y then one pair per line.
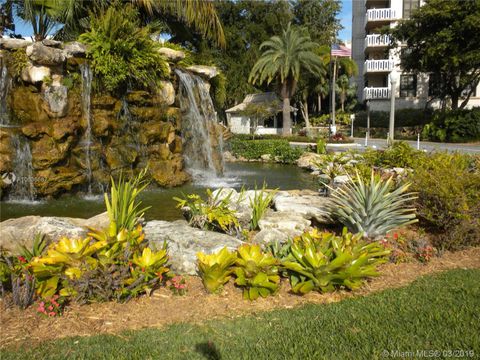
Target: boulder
x,y
22,231
46,152
52,43
75,49
307,160
286,222
166,92
171,54
45,55
340,180
308,204
207,71
12,44
185,241
266,236
56,101
35,73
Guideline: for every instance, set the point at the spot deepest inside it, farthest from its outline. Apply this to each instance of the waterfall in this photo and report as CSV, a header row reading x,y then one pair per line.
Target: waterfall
x,y
4,87
22,187
201,151
87,113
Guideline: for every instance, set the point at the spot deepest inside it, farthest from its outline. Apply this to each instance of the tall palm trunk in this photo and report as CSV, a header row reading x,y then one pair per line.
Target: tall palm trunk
x,y
287,122
319,98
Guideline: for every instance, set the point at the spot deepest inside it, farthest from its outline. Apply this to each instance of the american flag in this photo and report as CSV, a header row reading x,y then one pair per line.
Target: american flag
x,y
341,51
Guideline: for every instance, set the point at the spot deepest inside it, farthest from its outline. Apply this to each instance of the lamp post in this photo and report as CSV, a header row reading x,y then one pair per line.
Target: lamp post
x,y
391,128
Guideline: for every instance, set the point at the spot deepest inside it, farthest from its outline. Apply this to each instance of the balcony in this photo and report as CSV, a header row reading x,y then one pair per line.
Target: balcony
x,y
375,15
373,66
376,93
376,40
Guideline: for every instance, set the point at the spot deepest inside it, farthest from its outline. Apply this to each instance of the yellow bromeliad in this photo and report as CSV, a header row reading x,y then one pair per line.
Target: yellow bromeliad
x,y
215,269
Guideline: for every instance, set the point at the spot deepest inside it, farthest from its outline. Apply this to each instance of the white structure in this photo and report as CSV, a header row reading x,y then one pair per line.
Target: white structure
x,y
239,123
375,61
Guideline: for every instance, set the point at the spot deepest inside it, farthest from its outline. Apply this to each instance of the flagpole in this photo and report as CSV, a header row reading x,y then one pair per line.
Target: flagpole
x,y
333,94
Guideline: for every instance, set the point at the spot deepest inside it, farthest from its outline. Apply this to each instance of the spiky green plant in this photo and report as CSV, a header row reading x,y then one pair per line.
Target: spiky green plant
x,y
256,272
322,261
123,207
38,247
259,204
372,208
215,269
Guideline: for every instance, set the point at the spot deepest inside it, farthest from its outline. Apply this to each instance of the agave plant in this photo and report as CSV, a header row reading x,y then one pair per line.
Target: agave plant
x,y
215,269
256,272
323,261
372,208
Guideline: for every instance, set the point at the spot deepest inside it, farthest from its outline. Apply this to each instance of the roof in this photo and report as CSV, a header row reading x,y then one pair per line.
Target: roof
x,y
267,97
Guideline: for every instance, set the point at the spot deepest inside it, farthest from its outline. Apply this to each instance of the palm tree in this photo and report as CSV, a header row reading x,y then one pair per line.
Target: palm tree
x,y
283,60
322,89
342,87
74,14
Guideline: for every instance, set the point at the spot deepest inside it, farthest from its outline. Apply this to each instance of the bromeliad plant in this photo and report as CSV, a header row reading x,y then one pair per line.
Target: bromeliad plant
x,y
216,269
323,261
373,208
215,213
256,272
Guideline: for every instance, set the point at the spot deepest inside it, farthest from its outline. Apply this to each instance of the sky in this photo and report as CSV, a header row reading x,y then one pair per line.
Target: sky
x,y
345,20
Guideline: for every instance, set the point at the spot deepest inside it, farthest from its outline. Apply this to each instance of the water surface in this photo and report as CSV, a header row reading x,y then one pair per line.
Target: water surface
x,y
284,177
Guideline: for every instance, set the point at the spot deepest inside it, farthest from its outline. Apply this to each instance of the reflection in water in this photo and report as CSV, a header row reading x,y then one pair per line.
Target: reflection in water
x,y
284,177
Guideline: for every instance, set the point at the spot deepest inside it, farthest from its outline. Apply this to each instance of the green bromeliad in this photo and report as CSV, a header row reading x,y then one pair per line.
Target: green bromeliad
x,y
256,272
323,261
216,269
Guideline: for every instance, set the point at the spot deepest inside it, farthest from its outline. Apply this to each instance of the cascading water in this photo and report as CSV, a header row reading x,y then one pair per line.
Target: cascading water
x,y
23,188
87,114
202,154
4,87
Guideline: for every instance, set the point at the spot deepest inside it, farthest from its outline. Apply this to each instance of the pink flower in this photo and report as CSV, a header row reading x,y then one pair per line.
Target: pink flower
x,y
51,313
50,308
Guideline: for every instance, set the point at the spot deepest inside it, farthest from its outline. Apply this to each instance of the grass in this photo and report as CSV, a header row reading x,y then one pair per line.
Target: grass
x,y
439,312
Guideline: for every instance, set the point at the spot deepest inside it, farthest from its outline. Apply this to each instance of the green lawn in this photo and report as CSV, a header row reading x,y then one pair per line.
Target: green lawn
x,y
440,312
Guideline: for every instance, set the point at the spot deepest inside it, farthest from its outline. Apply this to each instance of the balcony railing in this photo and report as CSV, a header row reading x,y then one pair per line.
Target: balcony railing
x,y
378,66
381,14
376,40
376,93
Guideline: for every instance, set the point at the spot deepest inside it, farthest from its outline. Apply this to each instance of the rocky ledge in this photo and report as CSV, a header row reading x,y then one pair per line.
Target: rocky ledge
x,y
292,213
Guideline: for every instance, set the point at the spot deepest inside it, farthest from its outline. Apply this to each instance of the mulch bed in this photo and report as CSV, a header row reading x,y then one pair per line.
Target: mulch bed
x,y
26,327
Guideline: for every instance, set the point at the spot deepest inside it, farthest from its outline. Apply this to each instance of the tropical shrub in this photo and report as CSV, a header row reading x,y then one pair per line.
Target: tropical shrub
x,y
259,204
454,126
15,275
256,272
216,269
213,214
448,204
321,146
322,261
122,52
254,149
374,208
400,154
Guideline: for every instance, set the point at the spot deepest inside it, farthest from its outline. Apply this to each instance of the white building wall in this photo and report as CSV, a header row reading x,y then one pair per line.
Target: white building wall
x,y
380,80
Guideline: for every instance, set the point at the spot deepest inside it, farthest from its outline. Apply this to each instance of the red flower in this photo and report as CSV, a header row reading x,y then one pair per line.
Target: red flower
x,y
395,236
22,259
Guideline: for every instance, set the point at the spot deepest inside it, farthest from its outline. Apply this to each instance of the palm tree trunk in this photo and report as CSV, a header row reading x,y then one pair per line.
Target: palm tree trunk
x,y
287,122
304,107
319,97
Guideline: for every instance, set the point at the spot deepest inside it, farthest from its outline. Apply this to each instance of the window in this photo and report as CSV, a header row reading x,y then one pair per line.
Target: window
x,y
434,84
409,6
408,86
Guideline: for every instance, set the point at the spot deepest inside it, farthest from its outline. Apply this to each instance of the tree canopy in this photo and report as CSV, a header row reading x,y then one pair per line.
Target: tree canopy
x,y
441,38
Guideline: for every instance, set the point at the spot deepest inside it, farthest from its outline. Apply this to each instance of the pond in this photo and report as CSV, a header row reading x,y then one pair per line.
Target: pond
x,y
284,177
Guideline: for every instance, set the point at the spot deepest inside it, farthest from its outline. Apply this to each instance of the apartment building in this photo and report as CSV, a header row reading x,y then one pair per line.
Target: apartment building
x,y
376,62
